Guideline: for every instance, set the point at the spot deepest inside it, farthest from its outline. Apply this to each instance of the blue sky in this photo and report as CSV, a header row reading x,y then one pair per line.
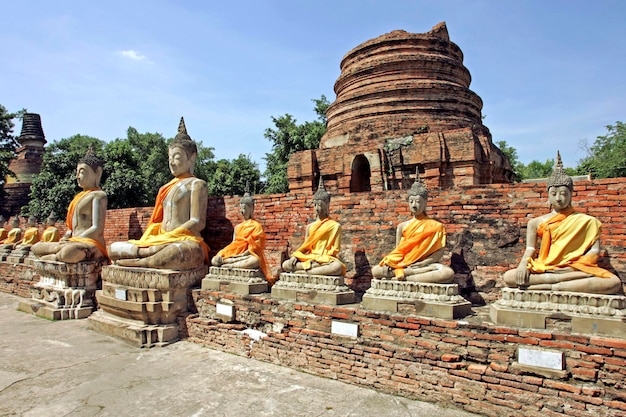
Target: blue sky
x,y
550,72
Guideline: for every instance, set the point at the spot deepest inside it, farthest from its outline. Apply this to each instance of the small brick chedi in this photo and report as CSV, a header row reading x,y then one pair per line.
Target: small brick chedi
x,y
25,166
403,102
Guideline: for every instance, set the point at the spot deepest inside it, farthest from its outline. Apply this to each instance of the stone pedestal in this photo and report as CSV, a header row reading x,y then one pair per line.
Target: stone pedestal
x,y
142,305
580,312
422,299
17,256
64,291
235,280
318,289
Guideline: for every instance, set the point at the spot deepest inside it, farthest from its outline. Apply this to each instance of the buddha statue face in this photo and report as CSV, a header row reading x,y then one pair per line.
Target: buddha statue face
x,y
246,210
417,204
180,163
86,177
560,197
321,208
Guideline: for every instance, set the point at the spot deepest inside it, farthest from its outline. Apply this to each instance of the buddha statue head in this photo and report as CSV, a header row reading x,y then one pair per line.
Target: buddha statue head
x,y
182,141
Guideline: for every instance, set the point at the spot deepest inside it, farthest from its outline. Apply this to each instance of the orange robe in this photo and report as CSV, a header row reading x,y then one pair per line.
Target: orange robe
x,y
13,236
155,235
31,236
322,244
420,238
249,236
3,234
51,234
565,239
70,223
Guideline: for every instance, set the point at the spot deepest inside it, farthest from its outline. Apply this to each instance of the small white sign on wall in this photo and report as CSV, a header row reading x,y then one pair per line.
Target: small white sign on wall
x,y
227,310
541,358
120,294
344,328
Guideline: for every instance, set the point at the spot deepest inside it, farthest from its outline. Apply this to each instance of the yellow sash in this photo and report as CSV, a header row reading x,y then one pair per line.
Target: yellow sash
x,y
322,244
250,236
31,236
420,238
565,239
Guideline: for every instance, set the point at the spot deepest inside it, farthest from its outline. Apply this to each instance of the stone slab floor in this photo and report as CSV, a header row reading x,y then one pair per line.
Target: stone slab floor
x,y
62,369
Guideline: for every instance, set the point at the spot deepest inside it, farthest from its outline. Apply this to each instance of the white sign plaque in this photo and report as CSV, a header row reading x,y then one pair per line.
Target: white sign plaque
x,y
225,309
120,294
541,358
344,328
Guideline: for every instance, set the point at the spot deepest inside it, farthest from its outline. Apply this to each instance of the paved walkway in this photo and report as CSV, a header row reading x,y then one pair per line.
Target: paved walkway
x,y
63,369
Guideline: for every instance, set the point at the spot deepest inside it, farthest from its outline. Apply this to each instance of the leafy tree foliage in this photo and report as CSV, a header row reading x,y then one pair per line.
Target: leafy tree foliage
x,y
289,137
516,164
536,169
231,177
606,158
8,144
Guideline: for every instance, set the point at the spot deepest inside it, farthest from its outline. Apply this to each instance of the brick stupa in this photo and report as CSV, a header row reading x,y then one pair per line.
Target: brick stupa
x,y
403,103
26,165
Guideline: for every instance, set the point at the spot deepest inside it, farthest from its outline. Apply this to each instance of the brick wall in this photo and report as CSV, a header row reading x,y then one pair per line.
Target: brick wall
x,y
461,363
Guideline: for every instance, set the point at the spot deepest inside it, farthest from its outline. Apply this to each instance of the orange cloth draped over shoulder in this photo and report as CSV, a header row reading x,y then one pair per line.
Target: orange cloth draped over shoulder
x,y
420,238
249,236
13,236
3,234
51,234
322,244
155,236
565,239
70,225
31,236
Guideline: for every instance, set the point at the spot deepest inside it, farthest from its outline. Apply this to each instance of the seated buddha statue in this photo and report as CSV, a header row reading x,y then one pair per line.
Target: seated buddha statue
x,y
3,228
14,236
31,235
172,238
51,233
247,249
86,214
569,250
420,244
322,242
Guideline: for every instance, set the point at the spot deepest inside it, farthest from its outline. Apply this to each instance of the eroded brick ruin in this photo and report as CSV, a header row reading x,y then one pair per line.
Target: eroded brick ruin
x,y
403,102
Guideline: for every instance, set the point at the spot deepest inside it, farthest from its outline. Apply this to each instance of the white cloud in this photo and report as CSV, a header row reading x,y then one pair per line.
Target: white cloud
x,y
134,55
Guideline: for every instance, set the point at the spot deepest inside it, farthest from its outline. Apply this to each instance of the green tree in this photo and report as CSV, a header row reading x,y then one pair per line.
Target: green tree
x,y
55,186
606,158
516,164
536,169
289,137
8,144
231,177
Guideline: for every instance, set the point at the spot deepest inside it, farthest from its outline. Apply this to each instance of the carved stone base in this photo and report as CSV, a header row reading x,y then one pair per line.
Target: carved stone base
x,y
585,313
318,289
132,331
64,291
143,304
235,280
423,299
17,256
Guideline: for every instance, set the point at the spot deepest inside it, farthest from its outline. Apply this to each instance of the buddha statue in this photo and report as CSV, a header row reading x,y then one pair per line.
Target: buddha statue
x,y
322,242
246,251
420,244
14,236
31,235
570,247
86,215
51,233
172,238
3,230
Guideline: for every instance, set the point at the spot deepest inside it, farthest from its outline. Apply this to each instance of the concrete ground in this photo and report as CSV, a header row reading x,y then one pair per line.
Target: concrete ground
x,y
63,369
